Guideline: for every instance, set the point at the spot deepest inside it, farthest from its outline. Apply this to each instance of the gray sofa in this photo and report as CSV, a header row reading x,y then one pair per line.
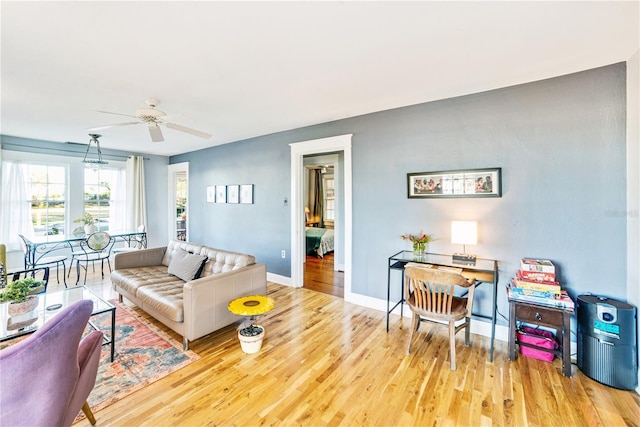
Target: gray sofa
x,y
150,278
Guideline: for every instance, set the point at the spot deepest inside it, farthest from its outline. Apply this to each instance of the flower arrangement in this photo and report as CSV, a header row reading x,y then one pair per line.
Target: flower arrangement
x,y
419,241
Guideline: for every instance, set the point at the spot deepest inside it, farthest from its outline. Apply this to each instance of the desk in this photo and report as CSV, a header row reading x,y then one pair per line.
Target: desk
x,y
38,247
484,271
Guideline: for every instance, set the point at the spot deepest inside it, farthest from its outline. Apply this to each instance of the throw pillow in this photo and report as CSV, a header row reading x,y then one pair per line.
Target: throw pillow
x,y
185,265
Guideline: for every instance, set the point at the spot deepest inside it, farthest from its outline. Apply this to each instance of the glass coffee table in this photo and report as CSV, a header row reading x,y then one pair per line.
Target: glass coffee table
x,y
49,305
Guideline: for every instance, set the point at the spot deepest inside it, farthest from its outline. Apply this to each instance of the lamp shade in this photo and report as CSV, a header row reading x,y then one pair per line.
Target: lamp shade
x,y
464,232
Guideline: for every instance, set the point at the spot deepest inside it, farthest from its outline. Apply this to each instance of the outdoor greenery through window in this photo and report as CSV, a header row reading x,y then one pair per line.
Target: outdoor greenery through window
x,y
98,186
48,200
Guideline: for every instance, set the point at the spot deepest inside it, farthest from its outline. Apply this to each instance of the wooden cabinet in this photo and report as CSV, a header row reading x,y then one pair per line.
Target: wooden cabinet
x,y
550,317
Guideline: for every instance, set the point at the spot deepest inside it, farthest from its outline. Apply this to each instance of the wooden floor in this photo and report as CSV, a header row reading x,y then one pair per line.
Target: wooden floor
x,y
328,362
319,275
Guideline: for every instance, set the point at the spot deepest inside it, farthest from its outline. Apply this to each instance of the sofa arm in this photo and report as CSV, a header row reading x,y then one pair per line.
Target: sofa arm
x,y
139,258
205,299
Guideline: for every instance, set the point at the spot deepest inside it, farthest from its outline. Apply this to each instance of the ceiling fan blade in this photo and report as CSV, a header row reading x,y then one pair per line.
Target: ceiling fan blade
x,y
117,114
188,130
113,125
155,132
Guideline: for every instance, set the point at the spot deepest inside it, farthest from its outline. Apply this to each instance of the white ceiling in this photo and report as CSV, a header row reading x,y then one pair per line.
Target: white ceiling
x,y
244,69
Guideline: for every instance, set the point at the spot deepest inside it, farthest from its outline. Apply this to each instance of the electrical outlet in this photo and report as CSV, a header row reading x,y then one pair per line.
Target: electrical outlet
x,y
284,254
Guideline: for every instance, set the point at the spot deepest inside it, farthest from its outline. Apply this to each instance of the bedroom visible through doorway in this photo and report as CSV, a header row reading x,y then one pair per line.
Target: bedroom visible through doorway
x,y
321,200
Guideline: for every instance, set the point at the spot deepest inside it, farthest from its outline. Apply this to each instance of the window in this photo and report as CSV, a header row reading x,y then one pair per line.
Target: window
x,y
99,184
329,199
47,185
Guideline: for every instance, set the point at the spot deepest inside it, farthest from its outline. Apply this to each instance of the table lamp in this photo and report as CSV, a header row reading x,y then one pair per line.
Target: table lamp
x,y
464,233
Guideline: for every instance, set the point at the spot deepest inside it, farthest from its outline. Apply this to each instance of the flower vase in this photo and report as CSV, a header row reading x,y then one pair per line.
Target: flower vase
x,y
90,228
418,248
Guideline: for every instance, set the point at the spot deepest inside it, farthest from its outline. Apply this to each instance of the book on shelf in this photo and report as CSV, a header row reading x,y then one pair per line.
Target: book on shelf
x,y
563,300
537,276
522,282
537,265
533,292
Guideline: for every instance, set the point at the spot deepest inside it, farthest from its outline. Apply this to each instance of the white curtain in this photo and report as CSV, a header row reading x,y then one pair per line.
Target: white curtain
x,y
118,203
136,199
16,206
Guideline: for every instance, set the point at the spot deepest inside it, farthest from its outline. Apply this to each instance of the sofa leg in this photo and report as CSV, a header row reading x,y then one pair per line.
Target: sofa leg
x,y
185,344
120,298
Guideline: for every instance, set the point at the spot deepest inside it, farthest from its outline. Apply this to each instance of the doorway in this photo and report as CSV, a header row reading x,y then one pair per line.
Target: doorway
x,y
343,226
323,210
178,208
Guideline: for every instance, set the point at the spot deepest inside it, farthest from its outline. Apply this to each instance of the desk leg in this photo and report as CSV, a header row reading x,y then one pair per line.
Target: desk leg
x,y
113,333
388,294
494,310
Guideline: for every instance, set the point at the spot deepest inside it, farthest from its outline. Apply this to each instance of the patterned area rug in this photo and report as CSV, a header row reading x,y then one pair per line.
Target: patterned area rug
x,y
144,354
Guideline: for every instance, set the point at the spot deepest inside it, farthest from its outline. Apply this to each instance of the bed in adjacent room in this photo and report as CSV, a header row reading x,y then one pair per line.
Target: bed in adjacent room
x,y
319,241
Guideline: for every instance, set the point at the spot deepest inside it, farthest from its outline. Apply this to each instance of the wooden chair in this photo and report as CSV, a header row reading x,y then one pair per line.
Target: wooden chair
x,y
430,295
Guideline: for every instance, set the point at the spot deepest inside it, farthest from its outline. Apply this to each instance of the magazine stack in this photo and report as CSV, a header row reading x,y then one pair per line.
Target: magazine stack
x,y
536,283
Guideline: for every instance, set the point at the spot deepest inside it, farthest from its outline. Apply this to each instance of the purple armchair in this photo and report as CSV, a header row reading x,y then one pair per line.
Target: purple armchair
x,y
45,380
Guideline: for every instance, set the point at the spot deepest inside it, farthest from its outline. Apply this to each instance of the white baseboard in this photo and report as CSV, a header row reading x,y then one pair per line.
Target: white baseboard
x,y
281,280
478,326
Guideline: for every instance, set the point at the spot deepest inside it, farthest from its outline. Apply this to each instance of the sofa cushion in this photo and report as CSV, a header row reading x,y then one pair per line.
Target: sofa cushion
x,y
176,245
222,261
132,279
164,298
185,265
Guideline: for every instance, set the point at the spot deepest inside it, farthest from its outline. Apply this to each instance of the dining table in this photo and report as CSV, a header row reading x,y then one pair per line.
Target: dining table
x,y
38,247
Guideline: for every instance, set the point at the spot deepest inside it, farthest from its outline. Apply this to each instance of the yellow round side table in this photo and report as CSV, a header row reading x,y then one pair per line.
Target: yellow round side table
x,y
251,306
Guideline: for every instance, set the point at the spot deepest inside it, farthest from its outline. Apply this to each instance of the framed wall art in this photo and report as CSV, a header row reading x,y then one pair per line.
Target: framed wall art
x,y
221,194
246,193
211,194
233,193
455,183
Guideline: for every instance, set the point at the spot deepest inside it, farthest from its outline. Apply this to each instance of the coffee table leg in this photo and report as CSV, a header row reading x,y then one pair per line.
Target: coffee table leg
x,y
113,333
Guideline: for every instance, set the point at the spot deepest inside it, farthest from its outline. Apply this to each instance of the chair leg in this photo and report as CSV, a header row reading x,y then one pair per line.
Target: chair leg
x,y
87,412
58,272
452,343
64,273
467,331
415,323
77,271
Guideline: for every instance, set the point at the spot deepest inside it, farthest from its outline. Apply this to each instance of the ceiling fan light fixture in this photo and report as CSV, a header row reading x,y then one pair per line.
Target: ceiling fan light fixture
x,y
98,161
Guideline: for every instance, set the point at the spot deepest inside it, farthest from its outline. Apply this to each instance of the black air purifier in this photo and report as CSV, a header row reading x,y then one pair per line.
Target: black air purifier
x,y
608,341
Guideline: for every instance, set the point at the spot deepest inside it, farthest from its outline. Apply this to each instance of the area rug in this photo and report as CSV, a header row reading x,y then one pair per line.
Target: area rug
x,y
143,355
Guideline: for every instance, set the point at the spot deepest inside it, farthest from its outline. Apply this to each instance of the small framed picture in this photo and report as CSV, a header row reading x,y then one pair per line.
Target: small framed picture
x,y
246,193
221,194
211,194
233,192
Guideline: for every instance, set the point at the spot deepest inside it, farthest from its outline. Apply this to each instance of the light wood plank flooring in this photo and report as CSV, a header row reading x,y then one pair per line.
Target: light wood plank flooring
x,y
320,276
328,362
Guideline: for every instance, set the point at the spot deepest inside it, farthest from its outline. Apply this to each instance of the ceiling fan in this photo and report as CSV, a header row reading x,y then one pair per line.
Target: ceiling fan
x,y
153,119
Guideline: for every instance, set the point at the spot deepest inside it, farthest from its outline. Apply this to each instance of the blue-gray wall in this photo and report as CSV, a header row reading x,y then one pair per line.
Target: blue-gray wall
x,y
561,146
